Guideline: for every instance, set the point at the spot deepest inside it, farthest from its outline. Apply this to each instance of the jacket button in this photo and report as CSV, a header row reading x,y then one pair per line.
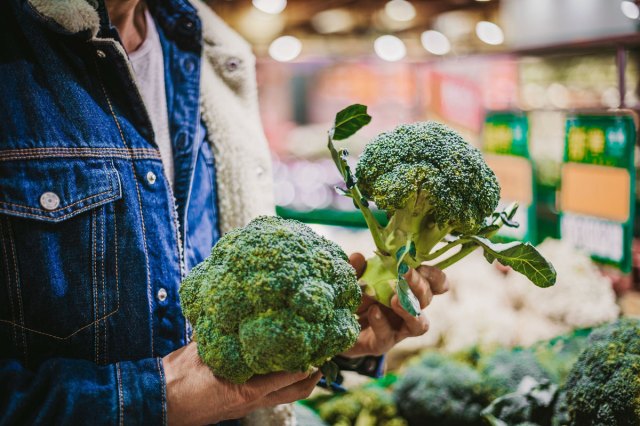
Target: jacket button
x,y
49,201
232,64
101,54
151,178
162,295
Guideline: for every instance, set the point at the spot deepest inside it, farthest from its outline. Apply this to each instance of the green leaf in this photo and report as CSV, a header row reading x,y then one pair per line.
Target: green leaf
x,y
521,257
330,371
349,121
407,299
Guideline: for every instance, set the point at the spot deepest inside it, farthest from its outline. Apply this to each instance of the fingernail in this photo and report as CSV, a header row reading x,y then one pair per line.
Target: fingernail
x,y
312,371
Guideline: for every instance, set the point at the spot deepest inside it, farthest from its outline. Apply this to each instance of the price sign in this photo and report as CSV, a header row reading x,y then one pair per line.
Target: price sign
x,y
505,143
598,186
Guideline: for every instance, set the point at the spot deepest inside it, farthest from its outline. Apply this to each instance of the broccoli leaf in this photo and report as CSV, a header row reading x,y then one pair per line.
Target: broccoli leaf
x,y
350,120
407,299
330,371
522,257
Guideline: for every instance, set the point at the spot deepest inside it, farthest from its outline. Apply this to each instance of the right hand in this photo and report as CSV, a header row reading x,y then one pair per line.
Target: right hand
x,y
196,397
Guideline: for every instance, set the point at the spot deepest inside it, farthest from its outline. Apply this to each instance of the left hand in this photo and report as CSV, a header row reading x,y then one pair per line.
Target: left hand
x,y
384,327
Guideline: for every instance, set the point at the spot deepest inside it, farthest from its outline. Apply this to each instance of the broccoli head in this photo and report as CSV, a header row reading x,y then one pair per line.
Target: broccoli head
x,y
272,296
504,370
370,406
443,392
425,176
435,189
603,387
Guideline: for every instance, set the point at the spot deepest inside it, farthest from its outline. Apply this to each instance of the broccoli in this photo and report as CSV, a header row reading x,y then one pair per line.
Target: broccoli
x,y
439,391
367,406
532,404
504,369
435,188
603,387
272,296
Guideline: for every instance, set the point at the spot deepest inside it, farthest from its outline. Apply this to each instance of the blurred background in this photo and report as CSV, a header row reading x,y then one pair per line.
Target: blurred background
x,y
547,89
536,84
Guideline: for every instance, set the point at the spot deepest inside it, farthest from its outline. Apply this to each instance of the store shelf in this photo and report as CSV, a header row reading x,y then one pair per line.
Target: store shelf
x,y
351,219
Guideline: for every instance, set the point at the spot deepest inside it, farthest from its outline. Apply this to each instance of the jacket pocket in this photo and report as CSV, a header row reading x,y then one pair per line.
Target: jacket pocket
x,y
58,257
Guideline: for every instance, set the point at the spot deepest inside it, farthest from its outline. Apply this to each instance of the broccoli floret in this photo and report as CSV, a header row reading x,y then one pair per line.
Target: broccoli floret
x,y
442,392
367,406
432,184
603,387
504,369
272,296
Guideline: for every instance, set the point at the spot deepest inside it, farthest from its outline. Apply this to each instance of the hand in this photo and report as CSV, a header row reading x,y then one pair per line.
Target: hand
x,y
196,397
384,327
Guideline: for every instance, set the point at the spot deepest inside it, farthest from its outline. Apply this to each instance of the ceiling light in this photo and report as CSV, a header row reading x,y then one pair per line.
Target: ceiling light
x,y
390,48
630,9
270,6
285,48
332,21
400,10
435,42
489,33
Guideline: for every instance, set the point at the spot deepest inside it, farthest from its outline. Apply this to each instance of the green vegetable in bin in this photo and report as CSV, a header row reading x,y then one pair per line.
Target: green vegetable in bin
x,y
272,296
438,193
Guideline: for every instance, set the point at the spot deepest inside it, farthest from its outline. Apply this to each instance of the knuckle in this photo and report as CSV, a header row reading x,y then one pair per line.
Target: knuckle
x,y
247,394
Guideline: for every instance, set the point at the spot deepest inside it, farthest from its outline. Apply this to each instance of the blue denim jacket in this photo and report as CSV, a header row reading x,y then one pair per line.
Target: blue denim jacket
x,y
90,252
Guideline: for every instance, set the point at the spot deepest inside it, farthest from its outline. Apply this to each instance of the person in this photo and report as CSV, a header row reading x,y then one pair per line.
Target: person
x,y
129,141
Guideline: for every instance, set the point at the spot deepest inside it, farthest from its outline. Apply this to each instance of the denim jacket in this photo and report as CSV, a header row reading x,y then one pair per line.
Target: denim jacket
x,y
91,239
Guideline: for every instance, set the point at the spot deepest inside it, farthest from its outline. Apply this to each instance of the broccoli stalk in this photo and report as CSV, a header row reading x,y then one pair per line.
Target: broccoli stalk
x,y
436,189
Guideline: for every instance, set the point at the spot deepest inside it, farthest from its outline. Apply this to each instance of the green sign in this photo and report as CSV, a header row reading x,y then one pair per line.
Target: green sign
x,y
505,144
597,197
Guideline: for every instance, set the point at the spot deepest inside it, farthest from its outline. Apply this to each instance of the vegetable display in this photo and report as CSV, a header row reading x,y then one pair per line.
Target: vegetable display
x,y
272,296
438,194
603,387
440,391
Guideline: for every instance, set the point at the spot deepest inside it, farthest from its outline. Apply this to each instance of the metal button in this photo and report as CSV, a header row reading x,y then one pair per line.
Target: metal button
x,y
162,295
151,178
49,201
189,65
232,64
101,54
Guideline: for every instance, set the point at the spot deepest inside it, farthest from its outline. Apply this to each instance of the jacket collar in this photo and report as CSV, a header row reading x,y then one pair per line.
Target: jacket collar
x,y
67,16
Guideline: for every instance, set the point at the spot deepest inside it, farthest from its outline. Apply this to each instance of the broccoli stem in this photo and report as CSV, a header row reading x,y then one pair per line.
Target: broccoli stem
x,y
372,223
380,278
442,250
464,251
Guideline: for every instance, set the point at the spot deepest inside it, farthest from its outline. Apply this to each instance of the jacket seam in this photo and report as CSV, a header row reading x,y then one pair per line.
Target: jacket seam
x,y
120,395
12,307
18,290
94,238
42,153
162,387
135,179
59,218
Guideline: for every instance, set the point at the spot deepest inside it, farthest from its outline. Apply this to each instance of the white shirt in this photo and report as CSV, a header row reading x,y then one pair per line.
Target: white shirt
x,y
148,64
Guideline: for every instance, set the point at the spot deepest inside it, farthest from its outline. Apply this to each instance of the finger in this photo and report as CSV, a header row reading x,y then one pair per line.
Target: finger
x,y
265,384
436,278
367,301
405,332
382,332
416,326
419,287
294,392
359,263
